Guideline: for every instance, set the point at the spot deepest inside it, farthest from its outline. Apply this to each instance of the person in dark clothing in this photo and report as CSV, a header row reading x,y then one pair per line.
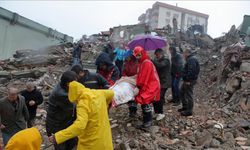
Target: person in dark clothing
x,y
60,115
107,69
190,75
77,52
89,79
162,65
13,114
176,69
108,49
33,98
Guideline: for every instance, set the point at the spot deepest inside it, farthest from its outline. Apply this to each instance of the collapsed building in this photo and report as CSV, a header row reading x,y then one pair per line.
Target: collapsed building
x,y
221,115
19,32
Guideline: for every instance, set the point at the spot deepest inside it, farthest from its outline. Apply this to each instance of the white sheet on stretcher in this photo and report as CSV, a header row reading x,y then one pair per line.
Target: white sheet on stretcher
x,y
124,90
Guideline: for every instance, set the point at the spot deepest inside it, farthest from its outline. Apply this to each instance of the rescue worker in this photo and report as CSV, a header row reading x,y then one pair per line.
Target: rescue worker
x,y
92,125
148,83
27,139
162,65
190,75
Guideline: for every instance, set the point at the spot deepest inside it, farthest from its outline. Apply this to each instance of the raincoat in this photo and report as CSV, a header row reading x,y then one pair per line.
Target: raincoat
x,y
27,139
92,123
147,81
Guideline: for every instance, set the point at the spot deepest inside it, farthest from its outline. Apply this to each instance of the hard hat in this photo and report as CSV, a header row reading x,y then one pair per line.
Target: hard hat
x,y
138,51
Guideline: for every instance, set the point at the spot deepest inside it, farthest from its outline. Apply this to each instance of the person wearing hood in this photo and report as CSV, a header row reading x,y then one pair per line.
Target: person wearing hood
x,y
92,125
190,75
107,69
162,65
20,141
33,98
90,79
148,83
176,74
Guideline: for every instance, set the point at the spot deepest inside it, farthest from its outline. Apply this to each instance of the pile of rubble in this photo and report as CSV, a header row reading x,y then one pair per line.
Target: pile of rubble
x,y
221,117
44,67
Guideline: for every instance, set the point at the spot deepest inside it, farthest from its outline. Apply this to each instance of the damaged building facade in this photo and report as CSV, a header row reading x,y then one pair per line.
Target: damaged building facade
x,y
18,32
162,15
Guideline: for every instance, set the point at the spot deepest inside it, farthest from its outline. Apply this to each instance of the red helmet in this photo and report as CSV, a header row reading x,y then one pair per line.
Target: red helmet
x,y
138,51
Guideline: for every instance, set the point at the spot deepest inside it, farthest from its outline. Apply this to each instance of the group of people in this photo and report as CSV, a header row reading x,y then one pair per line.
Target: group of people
x,y
77,112
17,111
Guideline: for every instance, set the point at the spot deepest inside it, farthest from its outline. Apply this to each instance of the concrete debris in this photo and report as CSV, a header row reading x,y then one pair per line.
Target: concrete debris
x,y
222,92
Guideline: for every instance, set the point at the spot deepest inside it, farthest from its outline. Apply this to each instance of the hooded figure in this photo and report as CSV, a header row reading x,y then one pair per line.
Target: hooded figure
x,y
147,78
107,69
148,84
20,141
92,125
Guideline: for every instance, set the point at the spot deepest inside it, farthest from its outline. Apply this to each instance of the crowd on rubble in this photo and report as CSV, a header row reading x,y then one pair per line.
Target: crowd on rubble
x,y
78,106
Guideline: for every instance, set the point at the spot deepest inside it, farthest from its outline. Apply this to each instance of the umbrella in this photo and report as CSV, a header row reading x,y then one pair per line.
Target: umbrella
x,y
148,42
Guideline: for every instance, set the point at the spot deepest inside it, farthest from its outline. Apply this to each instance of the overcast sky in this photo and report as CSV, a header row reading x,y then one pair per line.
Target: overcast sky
x,y
76,18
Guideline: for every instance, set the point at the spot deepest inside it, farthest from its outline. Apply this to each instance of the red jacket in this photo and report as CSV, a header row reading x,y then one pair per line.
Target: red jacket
x,y
147,81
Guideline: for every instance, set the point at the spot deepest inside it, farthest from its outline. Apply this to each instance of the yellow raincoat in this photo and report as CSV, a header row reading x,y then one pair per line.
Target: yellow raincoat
x,y
27,139
92,123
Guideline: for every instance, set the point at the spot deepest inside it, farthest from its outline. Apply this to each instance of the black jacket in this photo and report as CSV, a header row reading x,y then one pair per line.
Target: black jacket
x,y
163,70
13,117
77,52
191,69
61,112
35,95
177,64
93,80
104,58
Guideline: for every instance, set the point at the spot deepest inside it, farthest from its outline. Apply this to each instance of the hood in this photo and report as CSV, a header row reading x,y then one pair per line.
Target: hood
x,y
104,58
75,91
144,56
